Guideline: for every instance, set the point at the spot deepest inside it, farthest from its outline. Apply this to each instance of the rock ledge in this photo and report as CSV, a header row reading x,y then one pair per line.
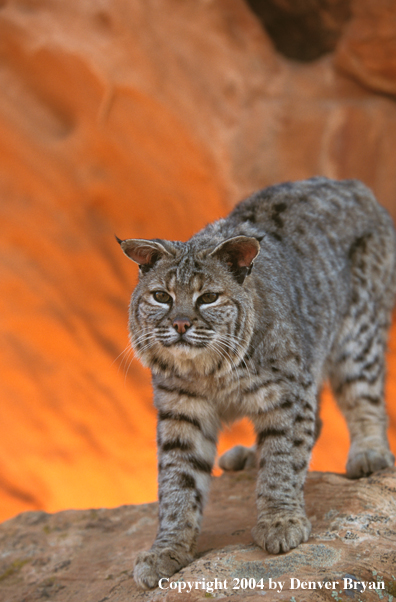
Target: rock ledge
x,y
89,554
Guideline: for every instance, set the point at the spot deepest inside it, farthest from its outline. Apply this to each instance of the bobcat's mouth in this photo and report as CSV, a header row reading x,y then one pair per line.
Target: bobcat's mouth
x,y
184,343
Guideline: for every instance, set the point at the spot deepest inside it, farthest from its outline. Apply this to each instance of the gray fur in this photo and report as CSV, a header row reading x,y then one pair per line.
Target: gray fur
x,y
312,301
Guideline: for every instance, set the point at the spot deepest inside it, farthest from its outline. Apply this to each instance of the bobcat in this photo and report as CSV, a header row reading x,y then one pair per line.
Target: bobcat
x,y
248,318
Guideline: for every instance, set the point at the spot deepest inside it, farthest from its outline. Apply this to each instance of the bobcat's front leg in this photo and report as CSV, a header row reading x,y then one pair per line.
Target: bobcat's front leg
x,y
285,437
186,450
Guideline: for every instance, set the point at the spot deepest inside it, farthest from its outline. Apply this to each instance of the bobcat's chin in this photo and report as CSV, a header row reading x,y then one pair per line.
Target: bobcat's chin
x,y
186,360
185,350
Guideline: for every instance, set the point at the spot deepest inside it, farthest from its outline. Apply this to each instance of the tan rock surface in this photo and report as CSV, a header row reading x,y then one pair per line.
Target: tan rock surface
x,y
88,555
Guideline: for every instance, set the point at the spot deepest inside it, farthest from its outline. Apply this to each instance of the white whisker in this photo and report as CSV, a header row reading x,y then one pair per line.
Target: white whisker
x,y
239,350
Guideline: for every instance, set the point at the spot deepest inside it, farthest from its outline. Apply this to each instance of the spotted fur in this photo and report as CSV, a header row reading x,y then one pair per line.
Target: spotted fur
x,y
248,318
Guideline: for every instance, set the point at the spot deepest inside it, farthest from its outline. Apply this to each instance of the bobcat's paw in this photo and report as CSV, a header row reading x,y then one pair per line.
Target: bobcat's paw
x,y
364,463
238,458
281,533
151,566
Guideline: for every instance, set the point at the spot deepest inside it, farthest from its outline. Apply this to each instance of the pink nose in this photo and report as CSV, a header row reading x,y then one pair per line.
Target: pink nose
x,y
181,325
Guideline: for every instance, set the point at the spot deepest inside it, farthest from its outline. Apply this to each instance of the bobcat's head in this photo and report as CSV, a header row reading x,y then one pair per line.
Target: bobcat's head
x,y
192,309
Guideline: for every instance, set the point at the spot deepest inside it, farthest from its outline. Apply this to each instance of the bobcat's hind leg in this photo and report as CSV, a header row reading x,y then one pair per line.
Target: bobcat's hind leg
x,y
357,365
238,458
357,378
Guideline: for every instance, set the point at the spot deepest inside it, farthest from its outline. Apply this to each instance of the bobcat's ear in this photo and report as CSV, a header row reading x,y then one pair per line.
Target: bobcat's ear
x,y
238,253
143,252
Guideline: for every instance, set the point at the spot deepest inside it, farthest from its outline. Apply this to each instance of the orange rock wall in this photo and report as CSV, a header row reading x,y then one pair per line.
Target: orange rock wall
x,y
146,119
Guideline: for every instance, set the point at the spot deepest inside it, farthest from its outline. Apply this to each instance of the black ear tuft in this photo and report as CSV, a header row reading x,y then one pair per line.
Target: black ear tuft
x,y
118,239
238,254
143,252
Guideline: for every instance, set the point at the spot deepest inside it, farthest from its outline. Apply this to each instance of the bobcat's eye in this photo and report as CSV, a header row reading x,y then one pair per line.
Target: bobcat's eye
x,y
208,298
162,297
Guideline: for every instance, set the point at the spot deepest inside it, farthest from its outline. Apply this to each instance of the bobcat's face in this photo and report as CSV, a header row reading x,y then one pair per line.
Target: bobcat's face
x,y
184,321
190,312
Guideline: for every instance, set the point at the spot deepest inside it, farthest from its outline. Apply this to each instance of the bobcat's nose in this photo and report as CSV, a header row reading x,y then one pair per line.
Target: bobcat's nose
x,y
181,325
